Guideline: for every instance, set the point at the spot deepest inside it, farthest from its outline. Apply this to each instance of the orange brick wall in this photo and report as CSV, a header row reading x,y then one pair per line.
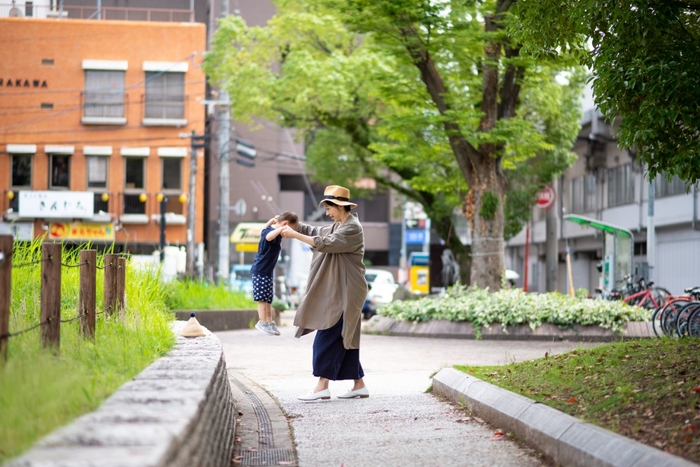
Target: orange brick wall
x,y
26,42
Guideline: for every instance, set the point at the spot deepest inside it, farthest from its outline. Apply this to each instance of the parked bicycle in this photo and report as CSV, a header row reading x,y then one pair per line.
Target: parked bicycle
x,y
673,319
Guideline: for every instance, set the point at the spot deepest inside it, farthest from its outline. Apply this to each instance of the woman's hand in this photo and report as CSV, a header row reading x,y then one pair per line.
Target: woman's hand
x,y
287,232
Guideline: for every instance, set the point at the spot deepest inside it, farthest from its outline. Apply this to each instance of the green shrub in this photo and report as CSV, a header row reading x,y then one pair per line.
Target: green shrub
x,y
513,306
40,391
200,295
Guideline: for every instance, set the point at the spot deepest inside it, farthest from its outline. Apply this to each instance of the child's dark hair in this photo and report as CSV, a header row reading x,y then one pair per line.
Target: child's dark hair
x,y
289,216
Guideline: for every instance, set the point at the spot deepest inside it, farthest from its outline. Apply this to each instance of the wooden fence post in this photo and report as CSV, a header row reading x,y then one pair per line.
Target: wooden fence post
x,y
121,285
51,295
110,283
87,292
5,289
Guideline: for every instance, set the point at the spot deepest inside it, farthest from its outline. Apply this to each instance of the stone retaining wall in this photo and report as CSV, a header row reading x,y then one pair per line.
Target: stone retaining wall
x,y
225,320
464,330
177,412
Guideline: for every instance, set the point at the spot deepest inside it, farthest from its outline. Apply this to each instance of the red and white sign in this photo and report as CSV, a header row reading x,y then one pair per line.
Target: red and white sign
x,y
546,197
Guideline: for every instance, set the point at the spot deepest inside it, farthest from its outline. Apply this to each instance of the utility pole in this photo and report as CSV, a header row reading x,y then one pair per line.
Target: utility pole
x,y
651,232
224,117
552,247
191,204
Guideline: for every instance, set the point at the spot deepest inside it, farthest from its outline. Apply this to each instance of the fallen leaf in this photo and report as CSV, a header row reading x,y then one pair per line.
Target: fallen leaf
x,y
572,400
498,433
471,371
696,389
478,420
463,420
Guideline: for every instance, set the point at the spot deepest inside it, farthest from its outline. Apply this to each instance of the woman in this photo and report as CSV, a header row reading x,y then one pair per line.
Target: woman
x,y
335,293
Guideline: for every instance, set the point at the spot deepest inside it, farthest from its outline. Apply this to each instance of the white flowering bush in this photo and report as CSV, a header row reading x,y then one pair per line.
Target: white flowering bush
x,y
513,306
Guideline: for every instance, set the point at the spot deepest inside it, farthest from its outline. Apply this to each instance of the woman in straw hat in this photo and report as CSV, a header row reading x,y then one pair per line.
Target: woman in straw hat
x,y
335,293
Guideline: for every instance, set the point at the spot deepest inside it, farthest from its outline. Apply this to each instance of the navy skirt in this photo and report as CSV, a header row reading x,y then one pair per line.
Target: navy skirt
x,y
333,361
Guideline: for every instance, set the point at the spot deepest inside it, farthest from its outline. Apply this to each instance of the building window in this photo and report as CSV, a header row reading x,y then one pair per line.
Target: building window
x,y
664,187
172,174
165,95
104,94
21,171
60,171
620,185
97,171
29,9
583,194
134,185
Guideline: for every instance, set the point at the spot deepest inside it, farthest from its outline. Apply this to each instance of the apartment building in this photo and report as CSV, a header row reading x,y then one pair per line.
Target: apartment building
x,y
608,184
95,119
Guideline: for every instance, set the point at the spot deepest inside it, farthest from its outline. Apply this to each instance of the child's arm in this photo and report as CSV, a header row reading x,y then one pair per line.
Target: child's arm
x,y
272,221
272,235
291,233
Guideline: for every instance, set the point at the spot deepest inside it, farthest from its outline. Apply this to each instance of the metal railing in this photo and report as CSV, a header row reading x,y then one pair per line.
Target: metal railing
x,y
21,9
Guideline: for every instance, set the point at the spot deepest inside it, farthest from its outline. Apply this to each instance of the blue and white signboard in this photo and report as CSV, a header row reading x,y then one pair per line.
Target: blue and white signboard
x,y
415,237
56,204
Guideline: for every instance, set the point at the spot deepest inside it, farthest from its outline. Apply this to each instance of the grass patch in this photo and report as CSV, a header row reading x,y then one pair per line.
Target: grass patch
x,y
200,295
40,391
647,390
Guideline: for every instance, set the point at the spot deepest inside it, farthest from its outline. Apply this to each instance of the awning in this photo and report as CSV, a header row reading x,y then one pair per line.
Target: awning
x,y
596,224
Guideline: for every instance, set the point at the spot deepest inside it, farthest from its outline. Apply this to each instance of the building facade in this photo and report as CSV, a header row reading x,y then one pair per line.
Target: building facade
x,y
608,184
95,119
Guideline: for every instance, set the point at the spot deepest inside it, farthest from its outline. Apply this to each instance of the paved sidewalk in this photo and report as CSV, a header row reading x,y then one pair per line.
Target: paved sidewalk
x,y
399,424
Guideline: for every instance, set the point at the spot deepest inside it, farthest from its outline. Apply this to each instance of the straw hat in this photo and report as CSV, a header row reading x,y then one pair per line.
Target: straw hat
x,y
337,195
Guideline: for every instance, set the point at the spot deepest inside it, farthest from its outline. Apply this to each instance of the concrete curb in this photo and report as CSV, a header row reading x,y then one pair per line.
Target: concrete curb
x,y
464,330
177,412
564,438
222,320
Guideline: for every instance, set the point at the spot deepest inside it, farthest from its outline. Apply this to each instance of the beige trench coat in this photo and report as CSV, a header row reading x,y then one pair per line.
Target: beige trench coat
x,y
337,285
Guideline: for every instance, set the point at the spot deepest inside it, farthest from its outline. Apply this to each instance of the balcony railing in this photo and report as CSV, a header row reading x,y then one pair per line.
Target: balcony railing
x,y
21,9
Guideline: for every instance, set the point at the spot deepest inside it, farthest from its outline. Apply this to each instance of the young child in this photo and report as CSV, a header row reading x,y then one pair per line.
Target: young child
x,y
263,268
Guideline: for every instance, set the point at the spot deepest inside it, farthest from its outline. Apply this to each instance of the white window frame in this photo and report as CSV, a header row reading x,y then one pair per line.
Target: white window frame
x,y
105,65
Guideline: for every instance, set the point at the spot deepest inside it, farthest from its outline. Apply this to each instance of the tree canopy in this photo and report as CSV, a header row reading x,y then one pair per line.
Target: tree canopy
x,y
379,95
643,55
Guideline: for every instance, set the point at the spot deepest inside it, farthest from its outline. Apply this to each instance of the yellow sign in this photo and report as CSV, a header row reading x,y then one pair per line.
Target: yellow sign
x,y
247,247
81,231
247,232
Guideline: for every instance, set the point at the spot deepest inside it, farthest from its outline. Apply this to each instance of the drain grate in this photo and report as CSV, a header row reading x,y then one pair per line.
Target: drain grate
x,y
266,457
264,424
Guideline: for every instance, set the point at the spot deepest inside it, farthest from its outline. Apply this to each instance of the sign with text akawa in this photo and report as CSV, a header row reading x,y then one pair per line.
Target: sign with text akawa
x,y
81,231
56,204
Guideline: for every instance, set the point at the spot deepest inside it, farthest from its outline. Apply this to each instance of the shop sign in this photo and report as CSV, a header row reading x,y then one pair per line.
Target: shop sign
x,y
23,83
56,204
22,231
248,232
81,231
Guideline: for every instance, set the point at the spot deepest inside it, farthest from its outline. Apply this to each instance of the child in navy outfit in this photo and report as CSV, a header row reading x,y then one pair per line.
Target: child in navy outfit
x,y
263,268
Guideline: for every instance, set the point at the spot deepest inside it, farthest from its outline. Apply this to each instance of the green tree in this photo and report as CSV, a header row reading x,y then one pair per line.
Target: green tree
x,y
361,102
643,54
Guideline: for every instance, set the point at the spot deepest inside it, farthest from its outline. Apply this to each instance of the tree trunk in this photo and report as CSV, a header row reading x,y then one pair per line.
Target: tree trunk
x,y
484,210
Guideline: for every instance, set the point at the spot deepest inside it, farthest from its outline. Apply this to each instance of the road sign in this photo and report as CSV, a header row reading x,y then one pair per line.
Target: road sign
x,y
546,197
415,237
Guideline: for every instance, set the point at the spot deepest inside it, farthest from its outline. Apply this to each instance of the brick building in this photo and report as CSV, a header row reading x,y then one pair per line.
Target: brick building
x,y
94,124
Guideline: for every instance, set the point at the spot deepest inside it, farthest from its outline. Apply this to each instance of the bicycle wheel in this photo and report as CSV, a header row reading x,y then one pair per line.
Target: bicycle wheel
x,y
656,321
660,316
682,317
692,324
669,318
660,295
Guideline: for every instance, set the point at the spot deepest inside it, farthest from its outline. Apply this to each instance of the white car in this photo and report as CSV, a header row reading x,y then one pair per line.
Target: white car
x,y
381,286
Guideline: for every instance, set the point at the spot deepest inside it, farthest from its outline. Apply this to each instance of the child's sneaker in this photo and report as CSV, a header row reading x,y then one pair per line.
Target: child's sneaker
x,y
273,328
264,326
